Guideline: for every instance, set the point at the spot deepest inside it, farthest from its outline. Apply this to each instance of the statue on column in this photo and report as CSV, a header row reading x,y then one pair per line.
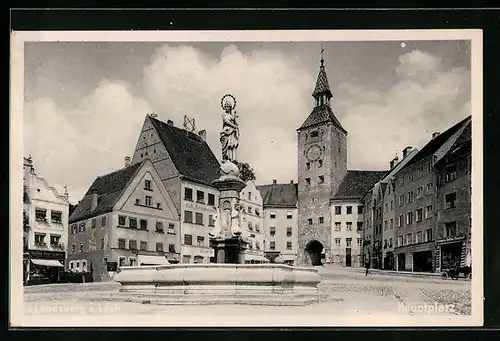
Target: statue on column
x,y
229,137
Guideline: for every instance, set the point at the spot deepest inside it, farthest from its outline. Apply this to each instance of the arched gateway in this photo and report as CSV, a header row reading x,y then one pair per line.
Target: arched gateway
x,y
314,250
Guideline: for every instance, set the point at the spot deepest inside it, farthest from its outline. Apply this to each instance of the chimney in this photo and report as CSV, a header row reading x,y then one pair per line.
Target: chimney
x,y
434,134
203,134
406,151
274,181
93,199
170,123
394,162
127,161
291,181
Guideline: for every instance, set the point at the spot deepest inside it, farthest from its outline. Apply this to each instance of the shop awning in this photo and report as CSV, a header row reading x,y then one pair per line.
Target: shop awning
x,y
47,262
152,260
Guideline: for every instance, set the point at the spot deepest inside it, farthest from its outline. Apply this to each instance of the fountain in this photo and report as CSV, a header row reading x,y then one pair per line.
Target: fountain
x,y
229,280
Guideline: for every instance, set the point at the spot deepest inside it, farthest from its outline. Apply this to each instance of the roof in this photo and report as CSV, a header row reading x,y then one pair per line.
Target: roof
x,y
279,195
109,189
356,183
322,83
462,145
191,156
321,114
433,145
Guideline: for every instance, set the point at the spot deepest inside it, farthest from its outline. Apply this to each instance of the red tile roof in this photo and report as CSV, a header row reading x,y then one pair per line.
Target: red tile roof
x,y
356,183
279,195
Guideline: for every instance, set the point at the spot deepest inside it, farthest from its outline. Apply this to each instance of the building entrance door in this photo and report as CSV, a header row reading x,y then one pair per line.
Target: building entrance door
x,y
348,261
401,262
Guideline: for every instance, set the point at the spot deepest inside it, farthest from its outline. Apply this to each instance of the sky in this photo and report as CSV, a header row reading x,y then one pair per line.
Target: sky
x,y
85,102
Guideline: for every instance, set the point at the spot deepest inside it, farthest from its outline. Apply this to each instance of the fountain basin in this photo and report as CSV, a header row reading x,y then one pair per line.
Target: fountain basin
x,y
270,284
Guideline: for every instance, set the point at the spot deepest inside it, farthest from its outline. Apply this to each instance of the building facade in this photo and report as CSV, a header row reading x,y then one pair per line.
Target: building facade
x,y
415,190
280,221
453,222
45,220
187,167
389,232
252,220
127,217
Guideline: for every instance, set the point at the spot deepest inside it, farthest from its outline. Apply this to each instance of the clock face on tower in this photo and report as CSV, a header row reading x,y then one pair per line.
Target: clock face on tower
x,y
313,153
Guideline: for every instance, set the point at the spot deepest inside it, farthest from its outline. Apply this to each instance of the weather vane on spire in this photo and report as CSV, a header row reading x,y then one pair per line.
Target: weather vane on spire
x,y
322,50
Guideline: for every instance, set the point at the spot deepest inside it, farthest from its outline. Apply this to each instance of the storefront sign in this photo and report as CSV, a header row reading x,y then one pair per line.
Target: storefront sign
x,y
42,254
200,207
450,239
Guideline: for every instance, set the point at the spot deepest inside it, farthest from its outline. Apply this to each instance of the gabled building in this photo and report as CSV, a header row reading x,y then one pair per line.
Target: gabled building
x,y
127,217
454,193
45,227
252,220
186,166
280,220
415,190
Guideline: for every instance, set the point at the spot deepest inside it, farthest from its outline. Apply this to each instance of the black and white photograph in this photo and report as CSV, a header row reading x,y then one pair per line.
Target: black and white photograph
x,y
246,178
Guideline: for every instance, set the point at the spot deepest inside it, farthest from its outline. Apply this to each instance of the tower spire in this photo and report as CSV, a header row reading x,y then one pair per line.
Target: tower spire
x,y
322,59
322,93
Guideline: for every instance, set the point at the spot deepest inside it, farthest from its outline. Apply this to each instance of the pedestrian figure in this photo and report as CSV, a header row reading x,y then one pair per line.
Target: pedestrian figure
x,y
366,255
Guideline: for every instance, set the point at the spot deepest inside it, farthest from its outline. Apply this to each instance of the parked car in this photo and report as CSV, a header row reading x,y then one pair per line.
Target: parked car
x,y
36,279
456,272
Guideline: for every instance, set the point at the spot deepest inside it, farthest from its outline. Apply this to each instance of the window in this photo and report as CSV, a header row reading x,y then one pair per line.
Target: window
x,y
249,209
84,266
257,245
132,261
308,165
132,222
359,226
102,243
103,221
348,226
257,212
74,229
41,214
409,218
121,261
428,235
308,181
159,227
337,242
188,194
56,217
188,216
360,209
409,238
171,248
320,163
121,220
360,241
188,239
272,215
81,247
171,228
321,220
390,242
450,200
400,241
257,227
144,224
272,245
450,173
94,223
200,241
386,225
392,205
386,207
337,226
310,221
401,220
199,218
200,197
288,245
137,201
148,201
321,179
410,196
391,223
132,244
288,231
55,239
428,211
401,200
348,209
147,185
121,243
418,237
249,195
420,191
289,215
420,214
272,231
348,242
40,239
314,133
250,225
211,199
338,210
211,221
429,188
385,243
450,229
143,245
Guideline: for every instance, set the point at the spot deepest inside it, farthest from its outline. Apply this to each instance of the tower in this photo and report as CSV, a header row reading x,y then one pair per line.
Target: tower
x,y
322,165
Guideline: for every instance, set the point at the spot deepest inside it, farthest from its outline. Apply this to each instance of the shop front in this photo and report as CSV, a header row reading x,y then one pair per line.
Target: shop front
x,y
451,252
415,257
389,261
45,266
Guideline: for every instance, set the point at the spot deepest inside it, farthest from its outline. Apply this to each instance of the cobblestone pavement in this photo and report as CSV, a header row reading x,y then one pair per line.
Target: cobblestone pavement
x,y
353,292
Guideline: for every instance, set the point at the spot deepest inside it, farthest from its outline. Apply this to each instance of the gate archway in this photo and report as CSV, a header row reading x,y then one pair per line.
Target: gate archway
x,y
314,249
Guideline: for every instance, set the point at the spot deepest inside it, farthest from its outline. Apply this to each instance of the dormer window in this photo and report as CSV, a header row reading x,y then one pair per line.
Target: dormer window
x,y
314,133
